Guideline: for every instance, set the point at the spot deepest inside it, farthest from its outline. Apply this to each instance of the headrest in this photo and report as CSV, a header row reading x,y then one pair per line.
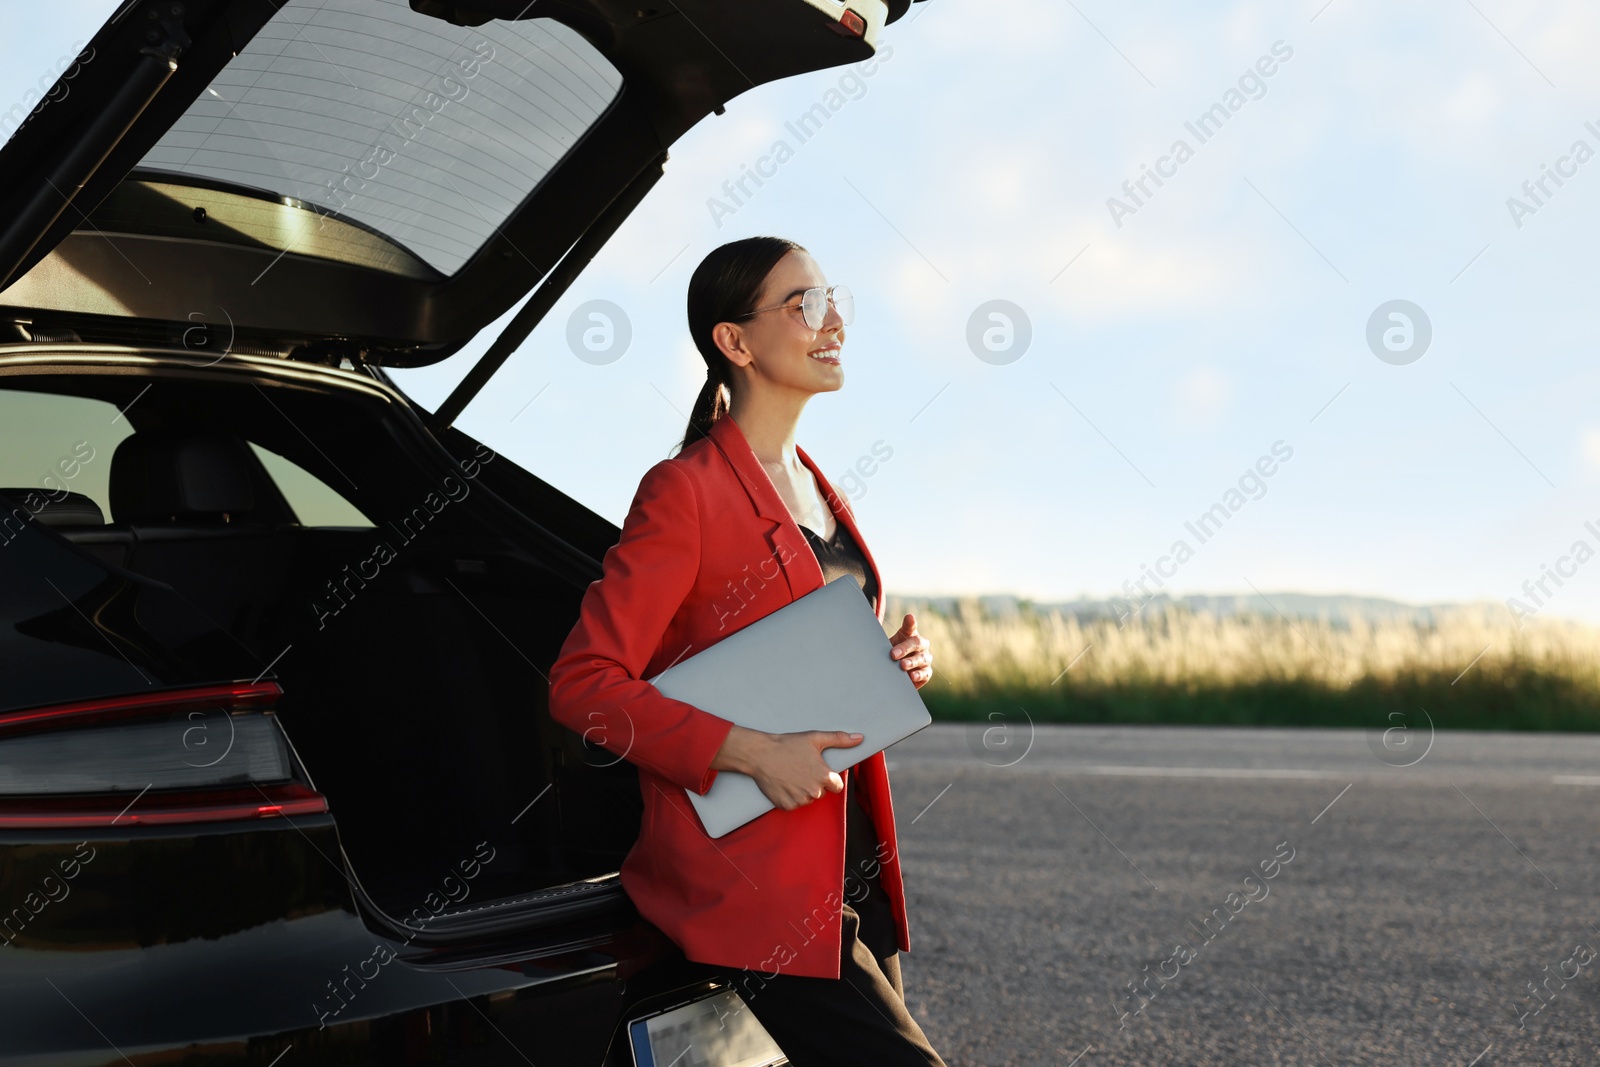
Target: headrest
x,y
164,476
60,509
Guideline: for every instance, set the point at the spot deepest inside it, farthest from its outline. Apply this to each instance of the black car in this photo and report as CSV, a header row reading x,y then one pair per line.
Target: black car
x,y
277,779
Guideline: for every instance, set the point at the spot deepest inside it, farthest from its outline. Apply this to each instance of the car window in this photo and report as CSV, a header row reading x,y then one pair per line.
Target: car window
x,y
314,502
425,132
62,443
59,444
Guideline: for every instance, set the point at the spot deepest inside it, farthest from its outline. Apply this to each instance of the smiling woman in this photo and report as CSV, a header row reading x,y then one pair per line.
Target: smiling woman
x,y
767,898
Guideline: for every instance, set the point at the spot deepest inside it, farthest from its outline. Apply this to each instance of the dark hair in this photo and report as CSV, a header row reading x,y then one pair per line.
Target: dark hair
x,y
725,286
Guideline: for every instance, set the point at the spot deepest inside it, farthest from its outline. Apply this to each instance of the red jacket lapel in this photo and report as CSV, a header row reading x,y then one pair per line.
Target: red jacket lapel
x,y
801,572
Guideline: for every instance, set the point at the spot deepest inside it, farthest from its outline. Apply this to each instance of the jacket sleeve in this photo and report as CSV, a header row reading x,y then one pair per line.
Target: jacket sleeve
x,y
595,684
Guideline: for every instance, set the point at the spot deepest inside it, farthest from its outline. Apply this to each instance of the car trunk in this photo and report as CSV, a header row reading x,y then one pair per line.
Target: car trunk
x,y
412,653
223,204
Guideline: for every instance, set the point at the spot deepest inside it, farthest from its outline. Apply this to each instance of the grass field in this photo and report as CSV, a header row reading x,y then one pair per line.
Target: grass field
x,y
1467,668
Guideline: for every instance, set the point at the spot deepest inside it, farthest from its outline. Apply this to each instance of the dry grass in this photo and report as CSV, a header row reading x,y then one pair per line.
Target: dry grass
x,y
1468,667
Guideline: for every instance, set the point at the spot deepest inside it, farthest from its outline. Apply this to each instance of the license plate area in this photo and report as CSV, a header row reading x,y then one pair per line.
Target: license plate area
x,y
714,1031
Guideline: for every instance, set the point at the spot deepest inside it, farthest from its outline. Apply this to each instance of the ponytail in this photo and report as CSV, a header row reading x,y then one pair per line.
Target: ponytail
x,y
709,406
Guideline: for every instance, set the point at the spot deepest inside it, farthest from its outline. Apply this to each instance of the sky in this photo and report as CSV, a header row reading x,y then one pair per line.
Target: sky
x,y
1341,324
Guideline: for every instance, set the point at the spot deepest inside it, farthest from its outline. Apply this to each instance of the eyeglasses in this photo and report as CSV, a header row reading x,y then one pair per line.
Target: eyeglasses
x,y
814,306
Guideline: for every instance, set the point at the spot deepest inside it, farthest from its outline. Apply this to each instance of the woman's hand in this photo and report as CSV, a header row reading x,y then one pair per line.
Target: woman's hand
x,y
788,767
913,652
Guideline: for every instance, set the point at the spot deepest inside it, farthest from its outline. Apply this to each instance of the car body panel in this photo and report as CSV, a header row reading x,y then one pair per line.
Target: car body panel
x,y
260,947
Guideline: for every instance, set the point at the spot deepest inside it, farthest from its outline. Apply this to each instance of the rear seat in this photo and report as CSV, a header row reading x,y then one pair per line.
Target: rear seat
x,y
189,506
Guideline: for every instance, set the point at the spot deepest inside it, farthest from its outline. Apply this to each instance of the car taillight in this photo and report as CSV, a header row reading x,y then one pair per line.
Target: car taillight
x,y
186,755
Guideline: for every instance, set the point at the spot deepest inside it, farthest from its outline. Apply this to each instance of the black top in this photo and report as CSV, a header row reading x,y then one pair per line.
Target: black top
x,y
862,890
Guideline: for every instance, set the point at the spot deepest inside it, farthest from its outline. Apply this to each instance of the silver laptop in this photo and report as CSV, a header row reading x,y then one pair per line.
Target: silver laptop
x,y
818,663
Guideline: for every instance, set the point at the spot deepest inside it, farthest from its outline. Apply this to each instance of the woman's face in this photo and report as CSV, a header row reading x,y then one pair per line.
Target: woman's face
x,y
778,346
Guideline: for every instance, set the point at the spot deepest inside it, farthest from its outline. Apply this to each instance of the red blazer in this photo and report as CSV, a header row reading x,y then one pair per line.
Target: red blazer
x,y
708,547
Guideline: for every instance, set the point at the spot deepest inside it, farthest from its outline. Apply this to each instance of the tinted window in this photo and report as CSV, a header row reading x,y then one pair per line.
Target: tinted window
x,y
427,133
314,502
57,444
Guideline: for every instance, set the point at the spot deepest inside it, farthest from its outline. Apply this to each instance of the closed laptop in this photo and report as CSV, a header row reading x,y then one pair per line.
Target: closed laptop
x,y
820,662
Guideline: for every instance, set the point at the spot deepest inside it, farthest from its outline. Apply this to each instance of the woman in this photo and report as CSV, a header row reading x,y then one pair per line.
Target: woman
x,y
803,904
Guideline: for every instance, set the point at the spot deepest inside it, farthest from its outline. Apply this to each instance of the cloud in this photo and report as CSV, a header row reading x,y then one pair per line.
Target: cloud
x,y
1172,276
1475,102
1591,447
1202,396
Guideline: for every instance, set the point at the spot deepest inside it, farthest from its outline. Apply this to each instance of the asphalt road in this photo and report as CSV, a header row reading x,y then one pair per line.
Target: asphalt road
x,y
1421,883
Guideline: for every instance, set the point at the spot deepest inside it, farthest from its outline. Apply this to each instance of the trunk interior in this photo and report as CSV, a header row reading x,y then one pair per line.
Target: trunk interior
x,y
423,717
413,652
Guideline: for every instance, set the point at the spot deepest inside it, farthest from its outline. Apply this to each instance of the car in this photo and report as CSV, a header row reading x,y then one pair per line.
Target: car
x,y
278,781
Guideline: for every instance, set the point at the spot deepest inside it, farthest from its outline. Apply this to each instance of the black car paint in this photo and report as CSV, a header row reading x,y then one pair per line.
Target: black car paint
x,y
259,948
253,940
